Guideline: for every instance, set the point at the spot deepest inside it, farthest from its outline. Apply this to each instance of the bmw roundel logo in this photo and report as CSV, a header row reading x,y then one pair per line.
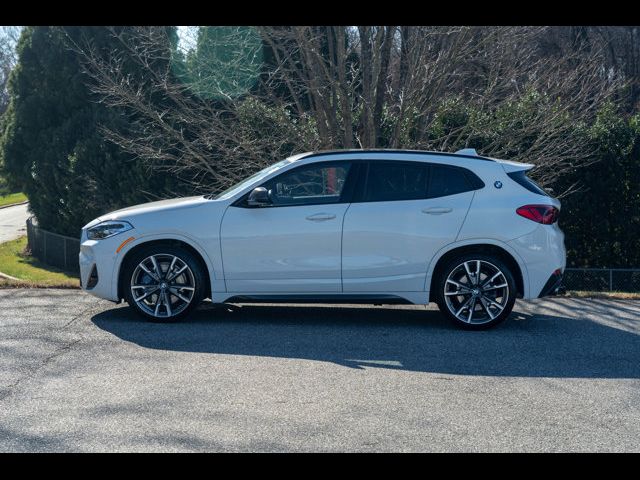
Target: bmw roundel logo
x,y
497,184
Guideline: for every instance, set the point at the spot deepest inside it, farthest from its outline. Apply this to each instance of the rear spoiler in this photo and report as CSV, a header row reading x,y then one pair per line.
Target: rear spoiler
x,y
515,166
507,165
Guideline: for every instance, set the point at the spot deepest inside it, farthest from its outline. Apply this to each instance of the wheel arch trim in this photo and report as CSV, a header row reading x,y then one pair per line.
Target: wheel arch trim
x,y
479,242
214,277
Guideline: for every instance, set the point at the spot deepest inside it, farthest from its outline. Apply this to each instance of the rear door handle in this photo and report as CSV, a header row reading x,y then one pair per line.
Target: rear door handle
x,y
436,210
321,217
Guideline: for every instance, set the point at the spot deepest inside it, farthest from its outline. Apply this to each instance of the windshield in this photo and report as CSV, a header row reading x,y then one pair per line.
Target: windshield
x,y
231,191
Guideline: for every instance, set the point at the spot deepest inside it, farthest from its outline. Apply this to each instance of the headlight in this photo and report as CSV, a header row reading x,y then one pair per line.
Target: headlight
x,y
107,229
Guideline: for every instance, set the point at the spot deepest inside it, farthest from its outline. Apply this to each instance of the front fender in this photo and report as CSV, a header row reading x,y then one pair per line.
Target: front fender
x,y
215,271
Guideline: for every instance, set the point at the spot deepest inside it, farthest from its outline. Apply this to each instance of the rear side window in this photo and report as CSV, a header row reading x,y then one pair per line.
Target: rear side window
x,y
521,178
388,181
448,180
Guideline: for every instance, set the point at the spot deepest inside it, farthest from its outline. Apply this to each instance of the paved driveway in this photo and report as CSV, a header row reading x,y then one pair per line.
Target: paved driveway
x,y
13,222
82,374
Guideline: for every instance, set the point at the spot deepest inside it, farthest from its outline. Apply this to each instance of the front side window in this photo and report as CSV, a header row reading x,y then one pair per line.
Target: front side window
x,y
231,191
389,181
312,184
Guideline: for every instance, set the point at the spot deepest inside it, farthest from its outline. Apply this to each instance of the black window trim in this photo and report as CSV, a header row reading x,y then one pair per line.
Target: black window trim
x,y
355,184
475,182
391,151
345,196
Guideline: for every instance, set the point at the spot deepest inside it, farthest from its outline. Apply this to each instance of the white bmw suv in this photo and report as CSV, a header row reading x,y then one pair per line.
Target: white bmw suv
x,y
367,226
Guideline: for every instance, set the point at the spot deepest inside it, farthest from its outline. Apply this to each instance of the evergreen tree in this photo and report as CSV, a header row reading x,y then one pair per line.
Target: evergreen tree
x,y
51,144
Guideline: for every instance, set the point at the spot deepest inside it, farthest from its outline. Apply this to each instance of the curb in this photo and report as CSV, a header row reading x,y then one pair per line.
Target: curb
x,y
14,204
9,277
26,284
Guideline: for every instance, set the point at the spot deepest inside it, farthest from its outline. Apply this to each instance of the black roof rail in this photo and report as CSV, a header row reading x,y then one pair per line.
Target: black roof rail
x,y
320,153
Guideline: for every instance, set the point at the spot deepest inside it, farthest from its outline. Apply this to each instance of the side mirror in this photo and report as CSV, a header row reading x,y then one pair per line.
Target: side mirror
x,y
259,197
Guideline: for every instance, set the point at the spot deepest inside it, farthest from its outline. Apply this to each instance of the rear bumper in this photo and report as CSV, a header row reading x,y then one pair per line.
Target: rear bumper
x,y
542,251
553,285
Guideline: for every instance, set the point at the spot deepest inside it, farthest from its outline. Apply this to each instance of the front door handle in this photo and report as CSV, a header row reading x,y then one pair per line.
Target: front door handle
x,y
321,217
436,210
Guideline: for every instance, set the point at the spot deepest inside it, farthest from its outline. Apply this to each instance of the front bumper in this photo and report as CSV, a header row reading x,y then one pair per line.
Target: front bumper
x,y
97,262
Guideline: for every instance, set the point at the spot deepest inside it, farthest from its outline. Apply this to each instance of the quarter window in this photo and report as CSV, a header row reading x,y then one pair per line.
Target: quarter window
x,y
446,180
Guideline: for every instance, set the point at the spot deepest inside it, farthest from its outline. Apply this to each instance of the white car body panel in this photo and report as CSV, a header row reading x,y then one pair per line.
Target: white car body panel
x,y
297,248
480,241
387,245
377,249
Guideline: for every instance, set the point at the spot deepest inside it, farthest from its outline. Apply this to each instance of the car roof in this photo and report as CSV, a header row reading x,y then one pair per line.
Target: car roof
x,y
320,153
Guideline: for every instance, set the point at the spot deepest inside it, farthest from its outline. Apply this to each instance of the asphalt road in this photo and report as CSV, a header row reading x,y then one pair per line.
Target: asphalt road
x,y
80,374
13,222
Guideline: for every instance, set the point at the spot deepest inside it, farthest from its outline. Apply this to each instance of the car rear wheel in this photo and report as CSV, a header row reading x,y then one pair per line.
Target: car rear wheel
x,y
163,283
476,291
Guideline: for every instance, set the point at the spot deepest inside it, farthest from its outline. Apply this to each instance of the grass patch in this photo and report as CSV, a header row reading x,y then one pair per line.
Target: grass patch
x,y
12,198
605,295
29,270
34,274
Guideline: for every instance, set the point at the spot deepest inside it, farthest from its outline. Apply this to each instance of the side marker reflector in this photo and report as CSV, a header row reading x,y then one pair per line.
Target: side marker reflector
x,y
124,243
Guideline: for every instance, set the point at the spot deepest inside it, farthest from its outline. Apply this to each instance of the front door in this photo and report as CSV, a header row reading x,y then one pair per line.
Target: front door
x,y
294,244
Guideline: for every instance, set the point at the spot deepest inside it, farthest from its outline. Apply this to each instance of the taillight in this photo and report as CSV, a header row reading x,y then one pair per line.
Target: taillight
x,y
545,214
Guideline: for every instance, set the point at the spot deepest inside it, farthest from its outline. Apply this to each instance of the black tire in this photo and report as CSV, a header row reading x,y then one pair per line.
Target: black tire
x,y
194,280
485,304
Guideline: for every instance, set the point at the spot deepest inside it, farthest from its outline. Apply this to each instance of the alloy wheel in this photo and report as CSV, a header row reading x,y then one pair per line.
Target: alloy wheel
x,y
476,292
163,285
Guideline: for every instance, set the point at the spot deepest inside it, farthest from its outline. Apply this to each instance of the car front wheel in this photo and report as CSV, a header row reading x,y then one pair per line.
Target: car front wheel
x,y
163,283
476,291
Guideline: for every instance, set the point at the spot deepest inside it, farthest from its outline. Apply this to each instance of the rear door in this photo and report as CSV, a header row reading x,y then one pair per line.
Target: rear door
x,y
403,213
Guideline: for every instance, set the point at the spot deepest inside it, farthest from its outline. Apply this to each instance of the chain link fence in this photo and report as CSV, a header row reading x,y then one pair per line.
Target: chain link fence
x,y
62,252
602,279
53,249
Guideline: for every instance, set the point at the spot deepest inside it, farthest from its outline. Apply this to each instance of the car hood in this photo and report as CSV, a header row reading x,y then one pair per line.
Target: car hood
x,y
172,204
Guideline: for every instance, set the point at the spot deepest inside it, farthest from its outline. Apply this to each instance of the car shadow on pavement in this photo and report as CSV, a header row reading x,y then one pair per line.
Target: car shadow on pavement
x,y
541,345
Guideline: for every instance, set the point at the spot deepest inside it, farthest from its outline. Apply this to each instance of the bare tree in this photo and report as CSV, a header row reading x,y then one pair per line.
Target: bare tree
x,y
345,87
416,69
620,46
